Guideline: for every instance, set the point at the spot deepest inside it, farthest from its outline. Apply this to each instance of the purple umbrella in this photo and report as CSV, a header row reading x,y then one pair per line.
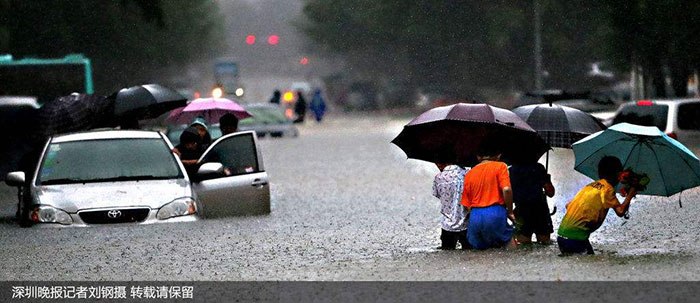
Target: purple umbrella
x,y
211,109
456,131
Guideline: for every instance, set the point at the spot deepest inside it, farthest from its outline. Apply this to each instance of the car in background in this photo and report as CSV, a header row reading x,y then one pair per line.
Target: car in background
x,y
129,176
267,119
678,118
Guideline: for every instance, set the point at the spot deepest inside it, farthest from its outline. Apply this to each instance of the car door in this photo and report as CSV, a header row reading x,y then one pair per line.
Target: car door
x,y
243,188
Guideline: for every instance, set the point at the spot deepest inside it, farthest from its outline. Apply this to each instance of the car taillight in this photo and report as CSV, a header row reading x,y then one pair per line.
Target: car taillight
x,y
645,103
672,135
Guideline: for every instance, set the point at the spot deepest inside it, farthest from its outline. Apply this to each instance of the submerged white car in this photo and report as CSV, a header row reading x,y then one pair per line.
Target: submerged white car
x,y
125,176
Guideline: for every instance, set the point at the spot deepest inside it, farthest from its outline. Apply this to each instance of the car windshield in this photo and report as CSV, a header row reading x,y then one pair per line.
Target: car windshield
x,y
107,160
646,115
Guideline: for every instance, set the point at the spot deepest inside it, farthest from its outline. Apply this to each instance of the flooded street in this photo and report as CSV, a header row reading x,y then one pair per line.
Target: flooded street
x,y
347,205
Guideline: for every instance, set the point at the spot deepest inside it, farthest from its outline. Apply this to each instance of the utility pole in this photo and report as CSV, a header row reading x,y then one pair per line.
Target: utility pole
x,y
538,46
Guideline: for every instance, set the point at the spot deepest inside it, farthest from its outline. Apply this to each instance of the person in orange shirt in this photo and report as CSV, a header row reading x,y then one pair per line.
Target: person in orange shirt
x,y
488,196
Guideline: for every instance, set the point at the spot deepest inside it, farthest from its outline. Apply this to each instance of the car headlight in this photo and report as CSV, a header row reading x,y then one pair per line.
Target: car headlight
x,y
48,214
179,207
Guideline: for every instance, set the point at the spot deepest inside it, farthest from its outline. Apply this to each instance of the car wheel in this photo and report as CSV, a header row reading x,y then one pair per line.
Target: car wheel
x,y
276,134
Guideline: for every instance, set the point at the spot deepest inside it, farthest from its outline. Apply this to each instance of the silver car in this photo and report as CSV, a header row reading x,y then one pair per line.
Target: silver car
x,y
121,176
678,118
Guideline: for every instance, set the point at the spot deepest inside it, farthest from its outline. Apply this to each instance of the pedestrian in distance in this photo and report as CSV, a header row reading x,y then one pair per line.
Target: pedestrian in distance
x,y
276,97
448,187
300,108
531,186
587,211
228,124
318,105
488,197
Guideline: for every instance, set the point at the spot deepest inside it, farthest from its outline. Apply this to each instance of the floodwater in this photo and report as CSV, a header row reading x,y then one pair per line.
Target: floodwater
x,y
347,205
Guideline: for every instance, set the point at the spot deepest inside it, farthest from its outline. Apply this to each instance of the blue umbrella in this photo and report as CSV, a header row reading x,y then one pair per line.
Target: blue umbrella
x,y
671,166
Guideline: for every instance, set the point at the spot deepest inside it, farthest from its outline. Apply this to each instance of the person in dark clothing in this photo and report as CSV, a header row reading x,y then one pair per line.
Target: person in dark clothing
x,y
530,183
228,124
300,108
318,105
276,97
189,150
203,130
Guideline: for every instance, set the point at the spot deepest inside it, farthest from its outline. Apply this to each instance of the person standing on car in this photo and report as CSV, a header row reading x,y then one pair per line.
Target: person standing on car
x,y
300,108
318,105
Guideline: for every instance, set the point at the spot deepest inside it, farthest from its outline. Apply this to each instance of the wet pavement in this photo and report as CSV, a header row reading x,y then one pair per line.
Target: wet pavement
x,y
347,205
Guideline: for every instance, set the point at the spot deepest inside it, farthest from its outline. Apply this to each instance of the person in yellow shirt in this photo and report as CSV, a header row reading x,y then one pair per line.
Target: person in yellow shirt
x,y
587,211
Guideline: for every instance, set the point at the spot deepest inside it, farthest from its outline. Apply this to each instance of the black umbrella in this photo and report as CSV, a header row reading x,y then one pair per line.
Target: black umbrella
x,y
72,113
456,131
559,126
146,101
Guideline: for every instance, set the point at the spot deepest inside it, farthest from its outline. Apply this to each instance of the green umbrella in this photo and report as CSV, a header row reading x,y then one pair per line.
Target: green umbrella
x,y
671,166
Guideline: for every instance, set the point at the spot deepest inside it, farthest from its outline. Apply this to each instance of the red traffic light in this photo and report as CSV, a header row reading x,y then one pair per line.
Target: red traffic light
x,y
304,61
273,39
250,39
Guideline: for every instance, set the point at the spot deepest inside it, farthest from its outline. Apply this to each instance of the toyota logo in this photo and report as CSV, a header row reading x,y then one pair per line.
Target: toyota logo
x,y
113,214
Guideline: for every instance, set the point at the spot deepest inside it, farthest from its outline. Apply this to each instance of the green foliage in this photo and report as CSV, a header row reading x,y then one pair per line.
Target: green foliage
x,y
654,35
129,41
460,47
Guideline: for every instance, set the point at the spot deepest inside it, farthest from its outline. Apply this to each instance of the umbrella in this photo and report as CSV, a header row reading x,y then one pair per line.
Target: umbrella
x,y
146,101
459,129
211,109
671,166
75,112
559,126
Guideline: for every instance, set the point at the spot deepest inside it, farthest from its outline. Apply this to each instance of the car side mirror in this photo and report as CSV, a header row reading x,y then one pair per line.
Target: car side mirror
x,y
211,169
15,178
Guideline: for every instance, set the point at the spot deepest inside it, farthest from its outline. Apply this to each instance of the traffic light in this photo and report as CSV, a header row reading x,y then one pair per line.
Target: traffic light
x,y
250,39
304,61
273,39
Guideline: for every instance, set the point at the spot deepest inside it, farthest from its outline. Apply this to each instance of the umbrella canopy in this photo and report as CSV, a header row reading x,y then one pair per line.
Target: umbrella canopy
x,y
559,126
146,101
212,109
671,167
76,112
459,129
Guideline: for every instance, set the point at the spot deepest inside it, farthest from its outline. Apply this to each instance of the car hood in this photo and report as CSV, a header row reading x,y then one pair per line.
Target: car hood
x,y
75,197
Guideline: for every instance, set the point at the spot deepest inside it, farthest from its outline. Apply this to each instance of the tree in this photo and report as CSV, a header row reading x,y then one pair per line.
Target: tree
x,y
460,48
660,36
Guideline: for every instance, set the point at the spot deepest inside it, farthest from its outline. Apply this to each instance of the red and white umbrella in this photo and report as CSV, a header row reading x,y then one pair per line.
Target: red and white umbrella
x,y
211,109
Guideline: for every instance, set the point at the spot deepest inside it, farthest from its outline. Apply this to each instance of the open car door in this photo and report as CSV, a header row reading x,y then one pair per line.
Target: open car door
x,y
242,188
